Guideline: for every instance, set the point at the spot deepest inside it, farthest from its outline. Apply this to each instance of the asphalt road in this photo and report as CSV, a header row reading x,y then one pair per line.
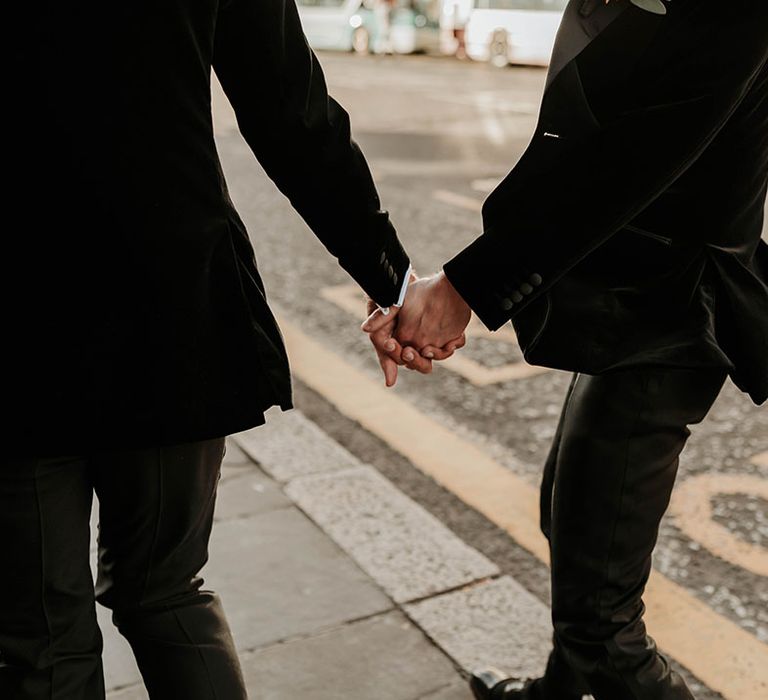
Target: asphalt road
x,y
439,133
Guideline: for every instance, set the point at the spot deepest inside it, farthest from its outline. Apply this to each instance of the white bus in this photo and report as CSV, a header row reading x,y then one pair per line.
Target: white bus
x,y
513,31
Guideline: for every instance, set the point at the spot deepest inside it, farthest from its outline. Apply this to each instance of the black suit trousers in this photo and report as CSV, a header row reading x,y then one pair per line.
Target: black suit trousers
x,y
606,486
155,518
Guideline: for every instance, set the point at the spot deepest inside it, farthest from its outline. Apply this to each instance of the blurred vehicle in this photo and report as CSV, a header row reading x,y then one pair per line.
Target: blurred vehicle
x,y
354,25
513,31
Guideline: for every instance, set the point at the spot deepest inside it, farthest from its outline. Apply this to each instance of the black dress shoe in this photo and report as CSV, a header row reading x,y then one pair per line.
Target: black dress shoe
x,y
492,684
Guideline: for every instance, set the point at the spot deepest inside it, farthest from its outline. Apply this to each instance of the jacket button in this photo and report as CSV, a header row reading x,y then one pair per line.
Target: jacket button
x,y
516,297
507,304
391,272
535,280
394,279
383,257
526,288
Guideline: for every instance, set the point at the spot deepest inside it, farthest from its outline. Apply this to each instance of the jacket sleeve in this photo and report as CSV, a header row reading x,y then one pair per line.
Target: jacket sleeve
x,y
301,137
578,185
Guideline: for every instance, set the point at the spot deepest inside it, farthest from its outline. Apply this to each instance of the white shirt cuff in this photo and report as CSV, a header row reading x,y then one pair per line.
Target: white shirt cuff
x,y
403,291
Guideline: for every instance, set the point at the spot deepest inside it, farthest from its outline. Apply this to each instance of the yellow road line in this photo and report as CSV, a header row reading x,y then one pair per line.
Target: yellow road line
x,y
692,509
725,657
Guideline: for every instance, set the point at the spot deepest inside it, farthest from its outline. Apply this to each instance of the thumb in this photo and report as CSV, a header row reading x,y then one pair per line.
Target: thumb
x,y
378,319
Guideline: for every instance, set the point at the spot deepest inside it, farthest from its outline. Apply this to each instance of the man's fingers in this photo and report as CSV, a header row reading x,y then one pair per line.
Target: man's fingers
x,y
378,319
385,344
459,343
413,360
389,367
433,353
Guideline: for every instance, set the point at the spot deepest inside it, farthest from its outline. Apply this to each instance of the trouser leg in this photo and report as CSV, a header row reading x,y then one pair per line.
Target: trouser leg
x,y
560,680
156,515
50,643
614,468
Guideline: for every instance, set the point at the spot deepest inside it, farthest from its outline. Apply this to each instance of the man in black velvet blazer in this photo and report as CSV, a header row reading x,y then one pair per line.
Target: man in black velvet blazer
x,y
626,246
137,333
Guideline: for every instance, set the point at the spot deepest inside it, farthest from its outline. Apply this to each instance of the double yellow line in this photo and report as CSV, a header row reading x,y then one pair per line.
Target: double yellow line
x,y
720,653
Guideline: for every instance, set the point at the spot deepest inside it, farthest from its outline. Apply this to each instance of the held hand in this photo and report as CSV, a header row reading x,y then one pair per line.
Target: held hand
x,y
390,353
435,296
434,318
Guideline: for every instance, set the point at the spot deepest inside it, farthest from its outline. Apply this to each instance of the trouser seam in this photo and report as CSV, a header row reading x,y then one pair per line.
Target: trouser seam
x,y
43,573
199,653
156,534
568,398
601,589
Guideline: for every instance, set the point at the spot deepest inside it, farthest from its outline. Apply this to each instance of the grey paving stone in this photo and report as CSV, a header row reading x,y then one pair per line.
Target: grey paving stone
x,y
290,445
236,463
405,549
233,471
280,576
234,456
495,623
248,494
381,658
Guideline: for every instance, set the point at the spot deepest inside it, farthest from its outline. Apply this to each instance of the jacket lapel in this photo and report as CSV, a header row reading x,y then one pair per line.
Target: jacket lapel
x,y
582,22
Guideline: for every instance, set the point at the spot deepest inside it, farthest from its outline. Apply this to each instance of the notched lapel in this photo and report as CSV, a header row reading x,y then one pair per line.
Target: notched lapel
x,y
582,22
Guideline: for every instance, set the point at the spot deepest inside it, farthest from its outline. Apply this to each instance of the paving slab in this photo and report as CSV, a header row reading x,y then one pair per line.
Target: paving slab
x,y
234,456
495,623
404,548
280,576
381,658
249,493
236,463
290,445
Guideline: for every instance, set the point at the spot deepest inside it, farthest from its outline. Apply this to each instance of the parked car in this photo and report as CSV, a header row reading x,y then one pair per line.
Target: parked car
x,y
513,31
354,25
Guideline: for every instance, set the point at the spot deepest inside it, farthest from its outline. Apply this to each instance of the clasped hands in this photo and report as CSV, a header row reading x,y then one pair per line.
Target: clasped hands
x,y
429,326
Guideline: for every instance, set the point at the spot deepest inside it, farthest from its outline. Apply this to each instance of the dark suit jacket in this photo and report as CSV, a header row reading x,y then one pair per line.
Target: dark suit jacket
x,y
629,232
132,306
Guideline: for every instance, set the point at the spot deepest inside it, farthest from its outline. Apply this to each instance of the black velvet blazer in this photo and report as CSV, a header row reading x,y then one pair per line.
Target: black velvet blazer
x,y
629,232
133,311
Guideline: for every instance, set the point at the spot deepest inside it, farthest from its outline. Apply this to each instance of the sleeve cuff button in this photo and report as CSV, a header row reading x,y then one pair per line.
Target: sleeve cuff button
x,y
516,297
535,280
507,304
526,288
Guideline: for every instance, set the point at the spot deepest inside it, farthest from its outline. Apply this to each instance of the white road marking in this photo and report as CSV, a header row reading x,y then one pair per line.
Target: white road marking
x,y
485,185
457,200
